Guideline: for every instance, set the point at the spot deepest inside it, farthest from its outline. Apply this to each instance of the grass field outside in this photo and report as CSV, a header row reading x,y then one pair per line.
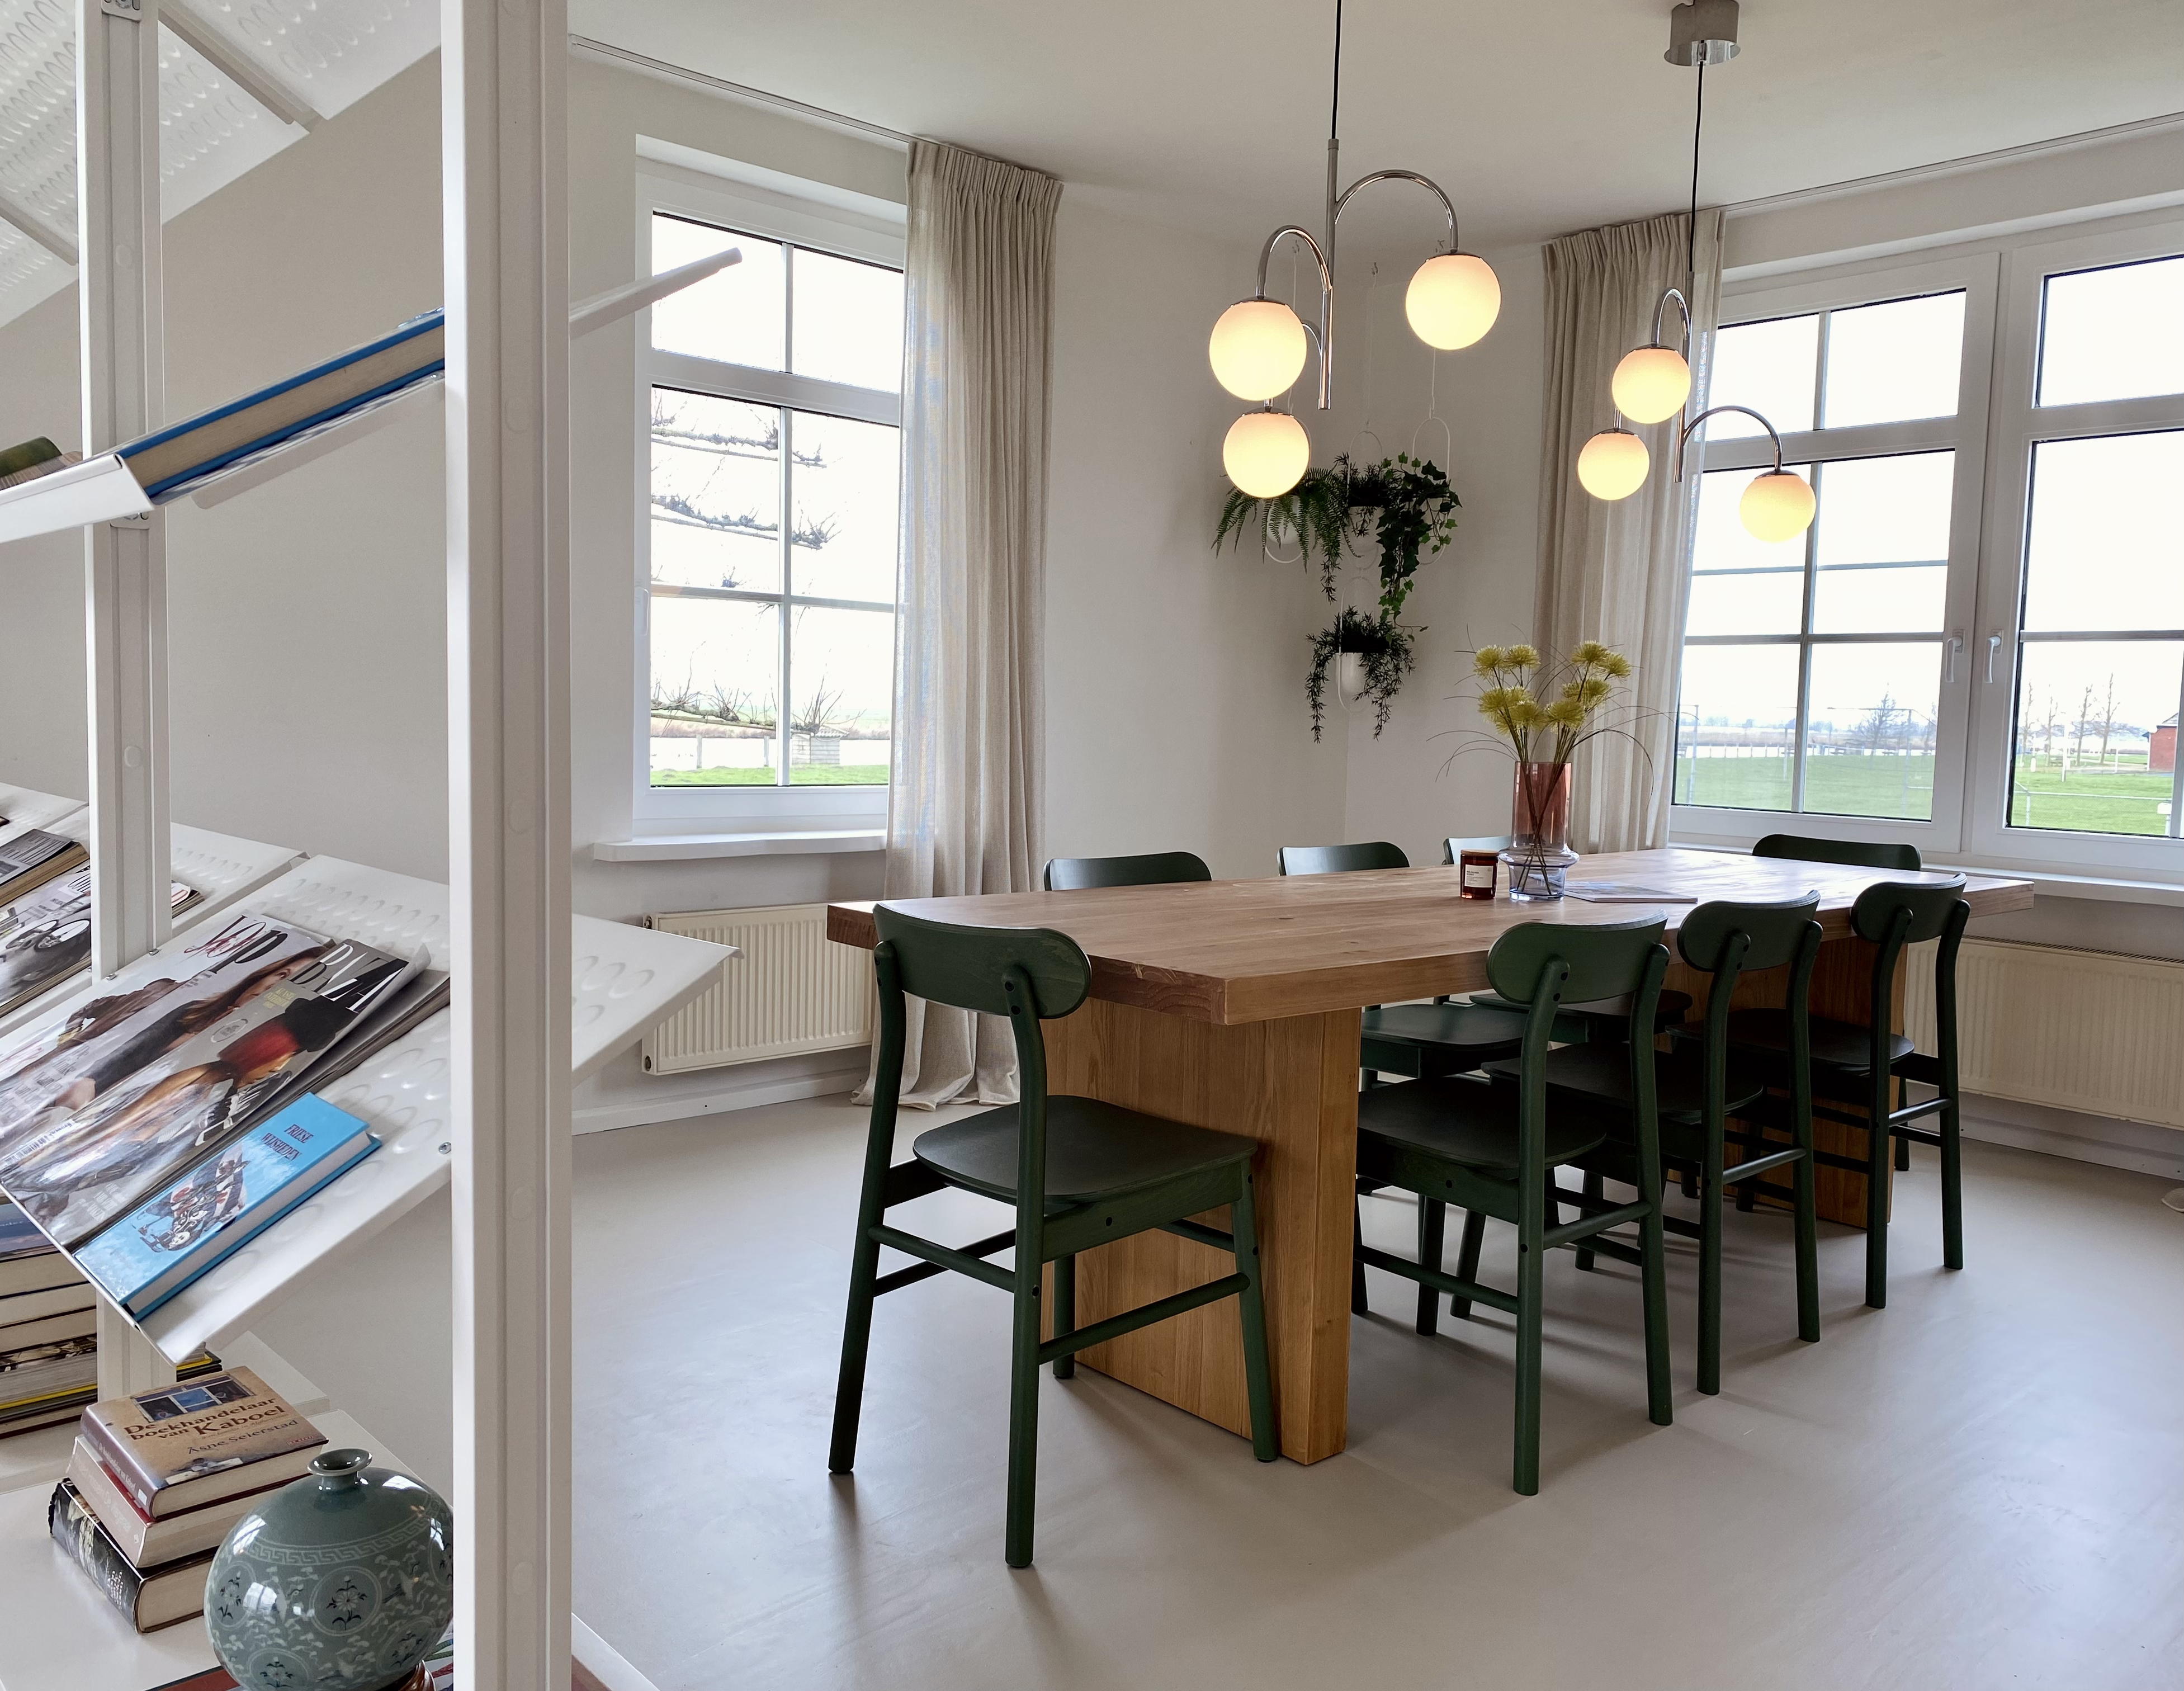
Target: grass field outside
x,y
799,775
2122,796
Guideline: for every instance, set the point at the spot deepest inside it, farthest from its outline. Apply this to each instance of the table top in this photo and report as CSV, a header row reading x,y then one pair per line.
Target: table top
x,y
1251,950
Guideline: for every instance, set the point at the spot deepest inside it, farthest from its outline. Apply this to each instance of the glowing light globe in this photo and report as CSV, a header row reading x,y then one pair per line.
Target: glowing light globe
x,y
1652,383
1453,300
1614,465
1258,348
1266,453
1777,506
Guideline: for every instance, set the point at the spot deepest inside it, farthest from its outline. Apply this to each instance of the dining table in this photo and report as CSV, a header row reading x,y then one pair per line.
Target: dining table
x,y
1236,1005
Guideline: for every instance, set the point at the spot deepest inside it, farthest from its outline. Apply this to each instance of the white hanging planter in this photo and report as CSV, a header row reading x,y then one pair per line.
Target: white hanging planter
x,y
1349,678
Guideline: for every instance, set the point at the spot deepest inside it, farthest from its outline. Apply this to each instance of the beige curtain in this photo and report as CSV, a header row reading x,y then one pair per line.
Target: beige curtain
x,y
964,813
1615,572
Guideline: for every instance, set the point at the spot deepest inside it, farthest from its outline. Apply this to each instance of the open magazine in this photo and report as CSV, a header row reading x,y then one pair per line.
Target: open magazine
x,y
45,935
101,1110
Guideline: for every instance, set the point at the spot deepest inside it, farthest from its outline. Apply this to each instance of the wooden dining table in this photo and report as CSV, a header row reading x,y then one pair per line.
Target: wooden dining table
x,y
1235,1005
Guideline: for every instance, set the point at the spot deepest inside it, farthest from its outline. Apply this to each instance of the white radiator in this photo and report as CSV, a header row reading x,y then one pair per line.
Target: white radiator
x,y
2091,1031
792,991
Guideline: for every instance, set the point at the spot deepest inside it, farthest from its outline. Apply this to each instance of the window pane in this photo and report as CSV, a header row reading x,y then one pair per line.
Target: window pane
x,y
715,676
1736,727
841,665
1883,512
736,315
2104,549
1887,363
715,492
2096,747
2112,334
1768,366
1720,541
845,480
848,322
1869,730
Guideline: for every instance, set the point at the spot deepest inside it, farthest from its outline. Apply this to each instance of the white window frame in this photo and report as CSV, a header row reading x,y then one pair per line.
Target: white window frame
x,y
1996,429
1965,435
810,223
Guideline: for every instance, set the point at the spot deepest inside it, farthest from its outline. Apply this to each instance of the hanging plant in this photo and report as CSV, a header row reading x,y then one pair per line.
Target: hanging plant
x,y
1406,504
1389,653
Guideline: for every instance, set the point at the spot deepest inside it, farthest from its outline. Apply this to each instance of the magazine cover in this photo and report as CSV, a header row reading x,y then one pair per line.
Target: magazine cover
x,y
224,1202
188,1078
45,935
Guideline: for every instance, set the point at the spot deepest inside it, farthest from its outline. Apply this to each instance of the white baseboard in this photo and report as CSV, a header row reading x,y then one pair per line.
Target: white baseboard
x,y
641,1112
603,1662
2143,1148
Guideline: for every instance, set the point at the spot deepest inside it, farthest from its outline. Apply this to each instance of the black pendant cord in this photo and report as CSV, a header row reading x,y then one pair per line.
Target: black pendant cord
x,y
1334,102
1698,127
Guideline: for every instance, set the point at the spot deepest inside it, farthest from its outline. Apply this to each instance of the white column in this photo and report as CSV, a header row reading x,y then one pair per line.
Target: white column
x,y
117,115
503,81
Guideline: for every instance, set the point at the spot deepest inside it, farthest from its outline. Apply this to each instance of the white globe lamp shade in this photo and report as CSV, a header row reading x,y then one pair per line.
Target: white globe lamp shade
x,y
1614,465
1258,348
1776,506
1453,300
1266,453
1651,384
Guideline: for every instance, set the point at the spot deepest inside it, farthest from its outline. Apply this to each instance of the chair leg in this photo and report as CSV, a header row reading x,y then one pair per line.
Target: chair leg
x,y
1953,1189
1065,1312
1466,1259
1710,1274
1251,1308
856,1341
1433,1221
1876,1199
1023,1417
1808,1245
1653,1274
1530,1294
1594,1188
1358,1304
1902,1156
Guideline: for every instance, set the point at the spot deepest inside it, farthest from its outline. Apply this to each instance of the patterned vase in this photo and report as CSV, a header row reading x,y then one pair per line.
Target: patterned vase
x,y
1538,854
343,1581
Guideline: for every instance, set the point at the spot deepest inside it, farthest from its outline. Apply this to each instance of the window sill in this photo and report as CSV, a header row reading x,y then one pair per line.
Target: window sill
x,y
661,848
2050,882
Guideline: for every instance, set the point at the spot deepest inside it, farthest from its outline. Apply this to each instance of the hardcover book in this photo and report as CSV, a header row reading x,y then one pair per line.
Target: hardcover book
x,y
151,1598
147,1541
76,1324
28,1260
186,1445
37,1372
45,934
224,1202
73,1293
103,1125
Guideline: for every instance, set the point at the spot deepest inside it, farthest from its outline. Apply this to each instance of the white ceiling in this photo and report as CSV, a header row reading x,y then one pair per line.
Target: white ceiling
x,y
1539,116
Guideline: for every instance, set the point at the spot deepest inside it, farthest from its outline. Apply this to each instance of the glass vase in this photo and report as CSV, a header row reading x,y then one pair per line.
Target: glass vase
x,y
1538,855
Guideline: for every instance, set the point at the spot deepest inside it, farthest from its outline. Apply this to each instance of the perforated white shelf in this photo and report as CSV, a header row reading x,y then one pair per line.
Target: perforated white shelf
x,y
23,807
626,979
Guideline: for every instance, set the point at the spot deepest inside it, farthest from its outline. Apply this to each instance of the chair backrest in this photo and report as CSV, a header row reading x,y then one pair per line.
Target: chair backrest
x,y
1929,906
948,963
1776,931
1606,959
1864,854
1150,869
1336,859
1453,848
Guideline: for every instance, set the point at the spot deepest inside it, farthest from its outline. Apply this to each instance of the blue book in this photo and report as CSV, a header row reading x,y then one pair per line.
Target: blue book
x,y
211,1210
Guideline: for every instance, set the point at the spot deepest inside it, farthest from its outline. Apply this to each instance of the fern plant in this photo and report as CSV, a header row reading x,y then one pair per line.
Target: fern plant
x,y
1406,504
1389,650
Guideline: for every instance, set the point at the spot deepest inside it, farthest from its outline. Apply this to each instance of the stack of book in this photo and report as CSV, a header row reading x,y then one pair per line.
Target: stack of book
x,y
155,1481
48,1329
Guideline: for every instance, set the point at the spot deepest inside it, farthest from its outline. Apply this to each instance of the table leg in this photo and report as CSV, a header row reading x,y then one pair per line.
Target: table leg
x,y
1292,1084
1843,991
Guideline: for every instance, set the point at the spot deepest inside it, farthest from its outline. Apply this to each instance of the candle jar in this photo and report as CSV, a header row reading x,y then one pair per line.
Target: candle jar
x,y
1477,870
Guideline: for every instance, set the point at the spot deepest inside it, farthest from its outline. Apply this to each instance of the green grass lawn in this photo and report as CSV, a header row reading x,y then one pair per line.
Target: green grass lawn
x,y
2118,800
2123,799
799,775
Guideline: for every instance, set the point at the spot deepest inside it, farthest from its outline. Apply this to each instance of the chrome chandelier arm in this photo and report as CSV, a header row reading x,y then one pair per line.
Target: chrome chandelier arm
x,y
1684,310
1447,205
1325,334
1319,258
1710,410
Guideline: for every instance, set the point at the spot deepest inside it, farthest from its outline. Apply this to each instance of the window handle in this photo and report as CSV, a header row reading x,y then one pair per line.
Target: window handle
x,y
1956,651
1993,646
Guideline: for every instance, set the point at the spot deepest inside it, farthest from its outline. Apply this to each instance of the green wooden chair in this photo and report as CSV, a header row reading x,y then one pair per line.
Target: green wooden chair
x,y
1855,1064
1077,1172
1340,860
1151,869
1701,1083
1492,1151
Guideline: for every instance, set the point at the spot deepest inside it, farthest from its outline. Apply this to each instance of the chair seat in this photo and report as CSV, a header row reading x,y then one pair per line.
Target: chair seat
x,y
1094,1151
1603,1072
1462,1122
1844,1046
1470,1033
1604,1018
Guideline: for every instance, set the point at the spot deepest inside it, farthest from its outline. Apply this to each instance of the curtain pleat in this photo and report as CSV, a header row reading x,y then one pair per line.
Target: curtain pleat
x,y
1614,572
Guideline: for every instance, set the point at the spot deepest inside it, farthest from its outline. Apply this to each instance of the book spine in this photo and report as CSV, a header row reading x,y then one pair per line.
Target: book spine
x,y
77,1530
119,1461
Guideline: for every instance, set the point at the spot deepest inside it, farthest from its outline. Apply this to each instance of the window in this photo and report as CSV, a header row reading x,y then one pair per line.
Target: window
x,y
771,411
1978,647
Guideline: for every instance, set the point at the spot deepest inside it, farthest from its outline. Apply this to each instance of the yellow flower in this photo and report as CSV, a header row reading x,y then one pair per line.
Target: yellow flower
x,y
1485,660
1589,655
1618,666
1522,657
1593,689
1524,712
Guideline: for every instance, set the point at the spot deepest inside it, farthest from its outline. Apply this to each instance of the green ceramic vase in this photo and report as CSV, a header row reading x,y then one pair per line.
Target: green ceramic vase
x,y
342,1581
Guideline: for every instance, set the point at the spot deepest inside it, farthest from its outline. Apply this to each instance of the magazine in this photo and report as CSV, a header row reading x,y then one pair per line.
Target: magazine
x,y
45,935
102,1111
30,857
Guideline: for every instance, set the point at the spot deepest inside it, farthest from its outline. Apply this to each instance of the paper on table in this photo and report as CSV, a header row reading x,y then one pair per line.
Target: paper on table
x,y
1618,892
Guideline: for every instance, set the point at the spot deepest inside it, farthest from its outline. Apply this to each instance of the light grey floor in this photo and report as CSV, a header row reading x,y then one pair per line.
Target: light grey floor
x,y
1982,1485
